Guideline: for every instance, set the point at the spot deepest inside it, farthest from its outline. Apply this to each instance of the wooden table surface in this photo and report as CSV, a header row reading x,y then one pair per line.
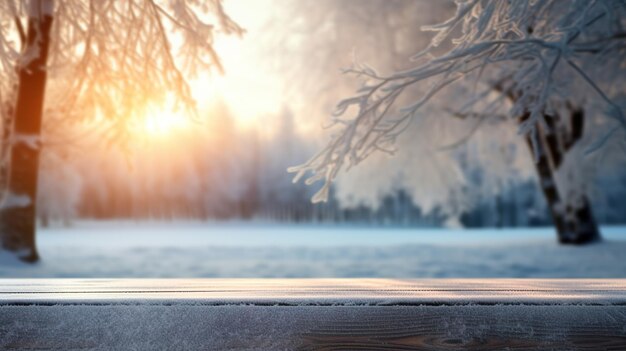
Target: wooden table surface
x,y
315,291
313,314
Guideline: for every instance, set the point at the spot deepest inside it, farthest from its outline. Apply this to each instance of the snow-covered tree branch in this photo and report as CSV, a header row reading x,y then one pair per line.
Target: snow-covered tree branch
x,y
524,42
114,58
544,58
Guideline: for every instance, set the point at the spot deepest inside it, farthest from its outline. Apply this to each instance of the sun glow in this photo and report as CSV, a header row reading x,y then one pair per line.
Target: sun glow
x,y
251,91
162,122
251,94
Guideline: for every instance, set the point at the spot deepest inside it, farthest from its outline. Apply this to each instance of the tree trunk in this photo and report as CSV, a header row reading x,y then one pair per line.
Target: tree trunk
x,y
573,218
19,211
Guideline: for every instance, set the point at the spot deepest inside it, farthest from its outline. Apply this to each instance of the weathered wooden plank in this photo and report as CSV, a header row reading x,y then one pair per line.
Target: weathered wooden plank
x,y
312,328
469,314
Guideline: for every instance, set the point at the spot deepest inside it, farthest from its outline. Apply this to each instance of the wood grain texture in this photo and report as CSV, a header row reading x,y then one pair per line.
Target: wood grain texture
x,y
388,292
476,328
285,315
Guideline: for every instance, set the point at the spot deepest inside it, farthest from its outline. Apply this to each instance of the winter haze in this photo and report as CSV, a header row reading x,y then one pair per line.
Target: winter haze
x,y
426,138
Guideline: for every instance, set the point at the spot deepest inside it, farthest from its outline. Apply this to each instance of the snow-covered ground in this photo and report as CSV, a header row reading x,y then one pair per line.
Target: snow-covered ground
x,y
194,249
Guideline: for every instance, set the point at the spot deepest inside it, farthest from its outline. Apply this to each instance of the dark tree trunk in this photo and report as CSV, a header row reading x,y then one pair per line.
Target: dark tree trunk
x,y
19,217
573,218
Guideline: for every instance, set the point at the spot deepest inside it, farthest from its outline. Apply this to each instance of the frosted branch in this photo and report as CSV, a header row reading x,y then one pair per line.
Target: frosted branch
x,y
522,45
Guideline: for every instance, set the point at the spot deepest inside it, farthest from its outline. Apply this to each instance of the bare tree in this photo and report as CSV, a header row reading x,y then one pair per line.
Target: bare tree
x,y
106,60
544,64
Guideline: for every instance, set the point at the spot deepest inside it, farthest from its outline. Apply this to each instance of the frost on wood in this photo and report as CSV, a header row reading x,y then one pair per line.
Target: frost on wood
x,y
540,56
32,141
12,200
113,59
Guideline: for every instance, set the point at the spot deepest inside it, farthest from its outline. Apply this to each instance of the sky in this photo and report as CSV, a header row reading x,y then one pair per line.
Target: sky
x,y
247,86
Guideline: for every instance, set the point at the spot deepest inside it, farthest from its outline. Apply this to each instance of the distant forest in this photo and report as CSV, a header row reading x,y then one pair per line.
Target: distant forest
x,y
239,174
